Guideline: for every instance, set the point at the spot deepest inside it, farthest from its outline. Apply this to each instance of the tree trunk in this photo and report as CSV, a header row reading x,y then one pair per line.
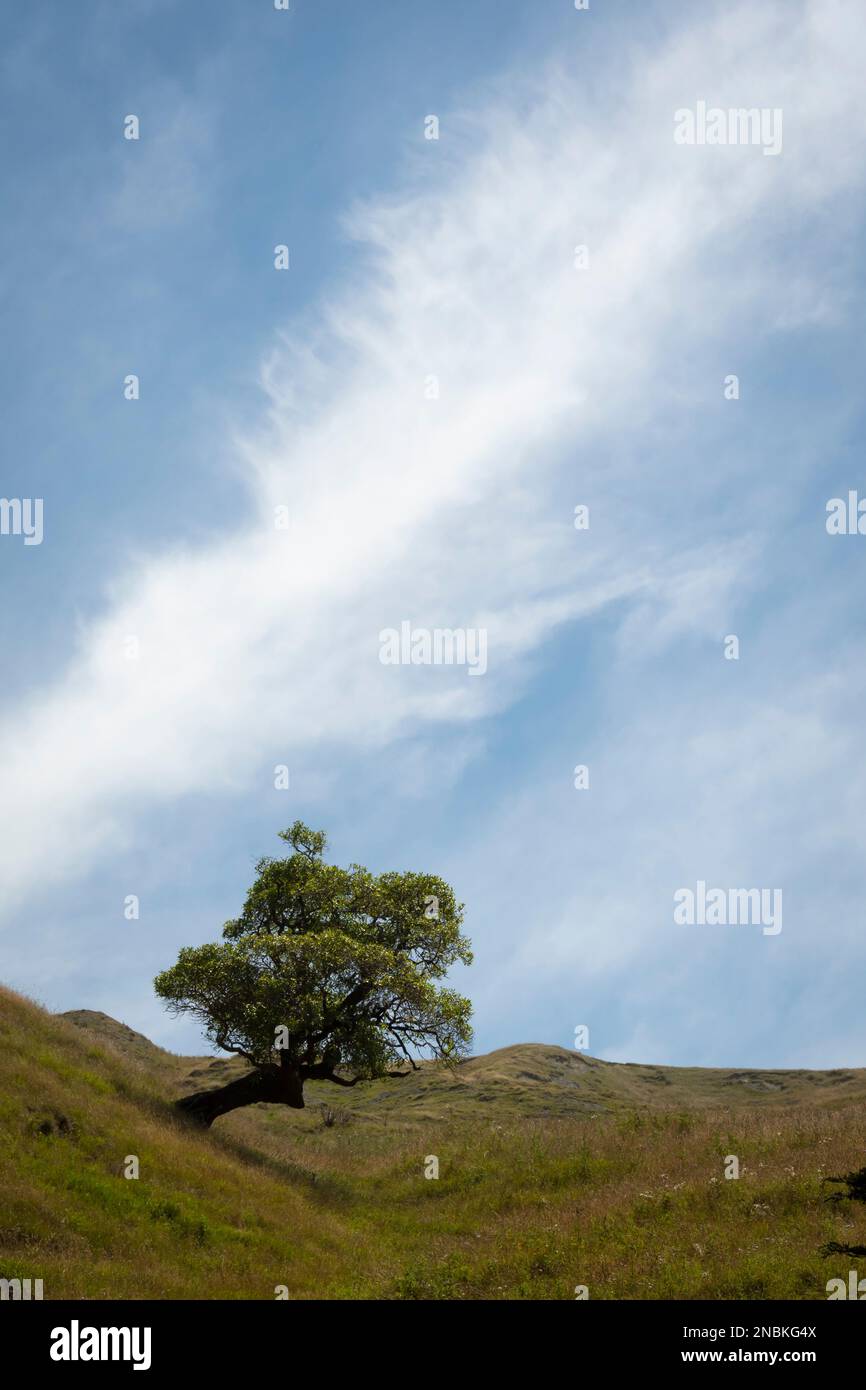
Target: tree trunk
x,y
279,1086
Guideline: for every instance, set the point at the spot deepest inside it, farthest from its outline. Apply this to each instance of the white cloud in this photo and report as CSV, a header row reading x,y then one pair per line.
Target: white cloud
x,y
440,511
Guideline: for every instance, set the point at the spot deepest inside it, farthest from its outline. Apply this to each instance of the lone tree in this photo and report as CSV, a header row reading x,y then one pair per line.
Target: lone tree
x,y
326,975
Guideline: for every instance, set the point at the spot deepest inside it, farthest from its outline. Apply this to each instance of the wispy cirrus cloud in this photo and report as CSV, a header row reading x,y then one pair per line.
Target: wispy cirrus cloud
x,y
449,511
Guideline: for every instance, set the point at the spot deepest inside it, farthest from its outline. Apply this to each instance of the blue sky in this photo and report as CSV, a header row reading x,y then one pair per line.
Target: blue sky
x,y
306,388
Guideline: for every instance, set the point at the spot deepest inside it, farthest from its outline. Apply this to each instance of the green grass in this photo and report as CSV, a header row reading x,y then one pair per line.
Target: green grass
x,y
555,1171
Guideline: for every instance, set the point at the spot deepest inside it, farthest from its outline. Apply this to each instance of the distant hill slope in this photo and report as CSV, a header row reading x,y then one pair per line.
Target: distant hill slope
x,y
533,1080
126,1040
514,1176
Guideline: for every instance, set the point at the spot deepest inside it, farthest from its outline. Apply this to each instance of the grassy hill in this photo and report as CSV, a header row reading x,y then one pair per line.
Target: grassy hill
x,y
555,1169
529,1080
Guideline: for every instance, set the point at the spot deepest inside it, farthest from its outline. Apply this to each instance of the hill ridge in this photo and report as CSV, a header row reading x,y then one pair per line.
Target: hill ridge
x,y
535,1078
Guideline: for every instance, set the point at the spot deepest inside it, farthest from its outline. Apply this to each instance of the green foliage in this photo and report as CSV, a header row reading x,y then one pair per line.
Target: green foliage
x,y
329,971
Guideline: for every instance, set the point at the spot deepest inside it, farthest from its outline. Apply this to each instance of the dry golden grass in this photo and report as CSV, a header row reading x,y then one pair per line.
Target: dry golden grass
x,y
633,1206
631,1200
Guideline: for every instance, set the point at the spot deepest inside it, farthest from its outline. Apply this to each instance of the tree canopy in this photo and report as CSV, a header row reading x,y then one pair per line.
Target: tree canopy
x,y
327,974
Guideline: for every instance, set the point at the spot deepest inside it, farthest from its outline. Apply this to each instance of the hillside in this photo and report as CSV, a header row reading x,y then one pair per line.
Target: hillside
x,y
555,1169
527,1080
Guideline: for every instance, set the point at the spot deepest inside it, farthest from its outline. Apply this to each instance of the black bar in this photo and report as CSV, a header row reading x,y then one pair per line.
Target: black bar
x,y
197,1339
